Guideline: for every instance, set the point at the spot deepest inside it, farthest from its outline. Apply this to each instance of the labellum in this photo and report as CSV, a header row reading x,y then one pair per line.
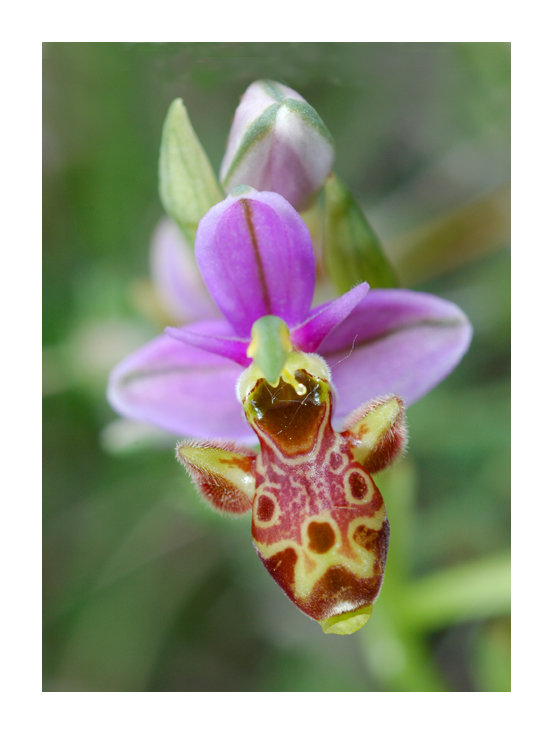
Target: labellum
x,y
319,522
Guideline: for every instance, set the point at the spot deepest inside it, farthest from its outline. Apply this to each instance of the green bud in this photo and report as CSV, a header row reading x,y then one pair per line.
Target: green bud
x,y
188,185
351,249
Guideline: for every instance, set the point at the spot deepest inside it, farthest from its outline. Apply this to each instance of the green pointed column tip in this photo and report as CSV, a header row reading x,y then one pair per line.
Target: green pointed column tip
x,y
187,183
270,347
351,249
347,623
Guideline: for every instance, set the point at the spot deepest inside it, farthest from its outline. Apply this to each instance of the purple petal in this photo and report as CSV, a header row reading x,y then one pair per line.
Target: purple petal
x,y
176,276
394,341
180,389
256,256
322,320
216,336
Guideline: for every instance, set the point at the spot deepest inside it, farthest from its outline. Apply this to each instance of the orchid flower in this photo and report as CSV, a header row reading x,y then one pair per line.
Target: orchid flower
x,y
255,255
319,522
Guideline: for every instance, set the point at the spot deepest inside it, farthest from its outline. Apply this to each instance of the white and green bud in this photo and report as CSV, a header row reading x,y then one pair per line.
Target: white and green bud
x,y
277,143
188,185
351,249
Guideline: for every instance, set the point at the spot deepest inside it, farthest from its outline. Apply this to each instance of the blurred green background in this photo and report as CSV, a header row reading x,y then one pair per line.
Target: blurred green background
x,y
147,589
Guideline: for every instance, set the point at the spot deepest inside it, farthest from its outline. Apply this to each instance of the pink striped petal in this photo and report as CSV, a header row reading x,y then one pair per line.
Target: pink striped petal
x,y
180,389
322,320
215,336
394,341
256,256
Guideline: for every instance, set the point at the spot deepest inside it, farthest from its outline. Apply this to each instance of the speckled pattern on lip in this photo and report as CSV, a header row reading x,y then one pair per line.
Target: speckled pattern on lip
x,y
319,522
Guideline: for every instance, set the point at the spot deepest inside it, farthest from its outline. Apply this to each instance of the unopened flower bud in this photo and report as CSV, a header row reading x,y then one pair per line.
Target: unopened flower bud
x,y
277,143
351,249
188,186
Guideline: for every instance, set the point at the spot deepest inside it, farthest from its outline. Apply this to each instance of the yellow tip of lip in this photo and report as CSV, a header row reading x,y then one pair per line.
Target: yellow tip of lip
x,y
347,623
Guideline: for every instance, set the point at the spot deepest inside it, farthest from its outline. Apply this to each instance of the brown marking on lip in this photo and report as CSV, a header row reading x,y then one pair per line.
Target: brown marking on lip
x,y
366,537
247,211
345,550
290,420
243,463
376,502
383,547
281,567
358,485
322,537
375,541
337,587
266,508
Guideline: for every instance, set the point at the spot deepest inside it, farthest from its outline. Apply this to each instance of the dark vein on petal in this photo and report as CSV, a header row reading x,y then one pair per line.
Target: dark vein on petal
x,y
162,372
261,275
375,339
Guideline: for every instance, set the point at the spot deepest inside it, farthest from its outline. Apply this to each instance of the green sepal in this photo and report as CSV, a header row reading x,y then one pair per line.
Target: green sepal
x,y
187,183
351,249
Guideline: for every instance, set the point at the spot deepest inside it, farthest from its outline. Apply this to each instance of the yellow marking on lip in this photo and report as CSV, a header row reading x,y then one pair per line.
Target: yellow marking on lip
x,y
348,622
306,575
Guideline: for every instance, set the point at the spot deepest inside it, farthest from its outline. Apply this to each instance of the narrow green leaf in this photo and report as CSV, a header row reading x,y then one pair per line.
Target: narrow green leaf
x,y
492,656
461,236
188,185
470,591
351,249
398,657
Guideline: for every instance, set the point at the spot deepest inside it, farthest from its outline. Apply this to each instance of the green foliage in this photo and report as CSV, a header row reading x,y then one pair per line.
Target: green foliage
x,y
351,249
188,186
